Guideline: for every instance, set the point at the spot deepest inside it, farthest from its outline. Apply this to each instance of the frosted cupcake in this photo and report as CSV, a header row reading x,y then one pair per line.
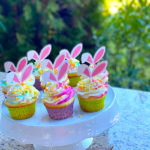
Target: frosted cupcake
x,y
58,98
90,91
9,66
21,98
37,71
87,57
47,65
73,76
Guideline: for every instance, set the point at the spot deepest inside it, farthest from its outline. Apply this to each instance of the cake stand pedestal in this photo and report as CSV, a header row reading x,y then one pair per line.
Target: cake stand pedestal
x,y
74,133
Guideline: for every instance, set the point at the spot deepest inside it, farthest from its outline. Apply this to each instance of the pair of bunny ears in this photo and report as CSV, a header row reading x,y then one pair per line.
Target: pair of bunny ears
x,y
9,66
85,70
74,53
50,76
25,74
87,57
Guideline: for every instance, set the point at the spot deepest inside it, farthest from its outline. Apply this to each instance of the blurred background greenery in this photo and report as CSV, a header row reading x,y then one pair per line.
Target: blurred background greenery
x,y
122,26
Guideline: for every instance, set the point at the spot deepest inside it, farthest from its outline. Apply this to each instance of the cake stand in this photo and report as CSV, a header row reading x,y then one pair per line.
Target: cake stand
x,y
74,133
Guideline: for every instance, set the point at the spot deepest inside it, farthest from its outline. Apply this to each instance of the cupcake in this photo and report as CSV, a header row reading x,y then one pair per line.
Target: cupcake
x,y
9,66
90,91
21,98
87,57
37,71
58,97
47,65
73,76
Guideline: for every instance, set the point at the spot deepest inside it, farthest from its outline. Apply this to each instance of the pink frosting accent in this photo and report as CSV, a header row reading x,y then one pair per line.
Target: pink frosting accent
x,y
69,91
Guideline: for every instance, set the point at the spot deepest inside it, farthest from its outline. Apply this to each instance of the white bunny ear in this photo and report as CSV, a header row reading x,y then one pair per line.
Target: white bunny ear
x,y
45,76
87,57
21,64
76,50
66,52
62,70
9,66
46,63
26,72
99,68
12,77
84,69
99,54
58,61
45,51
32,54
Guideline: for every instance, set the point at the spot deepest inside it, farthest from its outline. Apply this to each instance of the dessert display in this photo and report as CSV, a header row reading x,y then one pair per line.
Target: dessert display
x,y
9,66
58,97
37,71
47,65
73,64
21,97
87,57
91,91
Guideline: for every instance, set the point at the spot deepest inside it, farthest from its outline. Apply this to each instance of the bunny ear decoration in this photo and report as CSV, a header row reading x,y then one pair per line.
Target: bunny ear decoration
x,y
87,57
32,54
58,61
45,52
99,68
66,52
76,50
21,64
9,66
46,76
26,72
84,69
99,54
62,70
46,64
12,76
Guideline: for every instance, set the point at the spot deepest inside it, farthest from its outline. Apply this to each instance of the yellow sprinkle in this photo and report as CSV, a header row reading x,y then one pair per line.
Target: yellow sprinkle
x,y
71,116
22,83
79,116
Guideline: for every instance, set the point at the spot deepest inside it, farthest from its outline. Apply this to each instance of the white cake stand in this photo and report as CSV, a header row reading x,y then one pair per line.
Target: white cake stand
x,y
70,134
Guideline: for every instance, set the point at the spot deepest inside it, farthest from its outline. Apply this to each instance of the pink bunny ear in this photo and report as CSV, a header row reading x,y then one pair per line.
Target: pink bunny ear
x,y
21,64
76,50
66,52
46,64
12,76
26,72
9,66
84,69
99,68
58,61
45,52
52,77
62,70
32,54
87,57
99,54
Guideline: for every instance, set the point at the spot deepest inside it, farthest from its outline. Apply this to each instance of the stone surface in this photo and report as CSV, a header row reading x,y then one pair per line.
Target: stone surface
x,y
132,132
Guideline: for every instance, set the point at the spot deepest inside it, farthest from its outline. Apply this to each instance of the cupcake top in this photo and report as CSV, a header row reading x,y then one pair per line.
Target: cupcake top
x,y
91,87
19,94
71,57
32,54
58,93
73,65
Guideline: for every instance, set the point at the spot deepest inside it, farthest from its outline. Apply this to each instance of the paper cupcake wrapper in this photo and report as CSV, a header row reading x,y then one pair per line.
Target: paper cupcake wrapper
x,y
24,112
60,113
92,105
37,84
74,80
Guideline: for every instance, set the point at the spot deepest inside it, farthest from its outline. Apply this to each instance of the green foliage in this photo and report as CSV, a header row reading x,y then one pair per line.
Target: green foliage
x,y
26,25
127,37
